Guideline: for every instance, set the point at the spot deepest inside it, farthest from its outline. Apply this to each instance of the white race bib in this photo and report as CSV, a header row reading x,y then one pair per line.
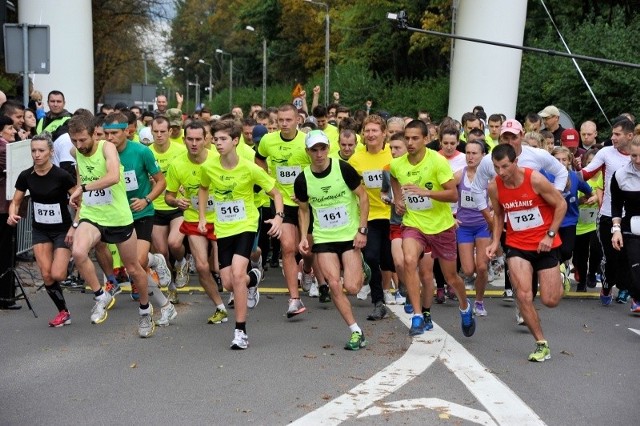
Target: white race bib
x,y
588,215
286,175
466,200
196,204
332,217
635,225
525,219
131,180
372,178
230,211
417,202
47,213
97,197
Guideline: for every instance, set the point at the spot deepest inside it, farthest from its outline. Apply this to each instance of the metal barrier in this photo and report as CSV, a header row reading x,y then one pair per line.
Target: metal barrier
x,y
24,240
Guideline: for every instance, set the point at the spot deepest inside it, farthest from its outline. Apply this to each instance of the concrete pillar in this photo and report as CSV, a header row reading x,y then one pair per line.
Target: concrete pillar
x,y
482,74
71,48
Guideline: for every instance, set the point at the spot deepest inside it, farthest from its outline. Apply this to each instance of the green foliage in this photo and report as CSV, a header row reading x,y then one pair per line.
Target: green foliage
x,y
548,80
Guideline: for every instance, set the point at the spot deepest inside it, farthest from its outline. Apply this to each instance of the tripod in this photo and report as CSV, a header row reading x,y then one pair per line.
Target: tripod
x,y
17,281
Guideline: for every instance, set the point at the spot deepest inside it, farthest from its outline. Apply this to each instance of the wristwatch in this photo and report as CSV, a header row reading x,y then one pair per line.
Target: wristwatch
x,y
363,230
75,225
281,214
616,228
551,233
83,187
148,200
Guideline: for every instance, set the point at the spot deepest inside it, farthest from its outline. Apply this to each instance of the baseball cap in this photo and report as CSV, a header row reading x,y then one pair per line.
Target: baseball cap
x,y
315,137
258,132
570,138
174,115
145,136
511,126
549,111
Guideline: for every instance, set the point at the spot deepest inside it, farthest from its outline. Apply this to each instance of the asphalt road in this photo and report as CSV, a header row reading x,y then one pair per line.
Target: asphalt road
x,y
297,369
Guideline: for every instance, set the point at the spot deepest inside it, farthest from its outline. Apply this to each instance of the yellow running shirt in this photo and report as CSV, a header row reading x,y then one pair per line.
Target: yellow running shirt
x,y
184,174
370,166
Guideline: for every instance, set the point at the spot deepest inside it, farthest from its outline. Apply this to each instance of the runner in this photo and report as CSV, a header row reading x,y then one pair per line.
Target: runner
x,y
232,180
52,233
333,190
183,176
425,180
105,216
534,210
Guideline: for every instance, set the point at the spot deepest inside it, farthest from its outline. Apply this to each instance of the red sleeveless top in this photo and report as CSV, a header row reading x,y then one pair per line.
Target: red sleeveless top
x,y
528,214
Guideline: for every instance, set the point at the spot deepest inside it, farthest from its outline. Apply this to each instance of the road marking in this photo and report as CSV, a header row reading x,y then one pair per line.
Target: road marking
x,y
502,404
635,331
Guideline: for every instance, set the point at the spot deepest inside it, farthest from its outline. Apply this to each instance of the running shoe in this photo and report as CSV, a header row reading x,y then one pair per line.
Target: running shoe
x,y
623,297
542,352
356,342
399,298
113,288
507,295
428,323
408,308
146,326
635,307
161,268
388,298
192,264
469,282
592,282
167,314
296,307
63,318
519,318
479,310
306,278
325,296
218,317
417,325
451,294
605,299
172,295
182,273
218,280
253,294
440,296
231,303
240,340
491,274
468,322
121,275
314,291
366,270
99,310
564,276
378,313
135,296
364,292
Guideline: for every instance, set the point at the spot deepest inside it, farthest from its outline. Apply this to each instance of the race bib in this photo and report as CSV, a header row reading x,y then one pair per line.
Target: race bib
x,y
467,201
286,175
196,204
130,180
332,217
635,225
417,202
372,178
47,213
230,211
525,219
588,215
97,197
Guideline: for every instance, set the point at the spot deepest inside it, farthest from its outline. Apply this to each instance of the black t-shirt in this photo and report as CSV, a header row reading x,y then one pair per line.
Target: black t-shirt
x,y
349,174
49,194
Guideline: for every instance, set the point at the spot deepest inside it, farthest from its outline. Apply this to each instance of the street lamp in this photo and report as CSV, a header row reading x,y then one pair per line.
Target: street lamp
x,y
222,52
326,49
264,67
210,76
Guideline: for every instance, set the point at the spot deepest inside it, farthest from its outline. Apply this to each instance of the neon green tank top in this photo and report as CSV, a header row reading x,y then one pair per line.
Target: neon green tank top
x,y
108,206
336,212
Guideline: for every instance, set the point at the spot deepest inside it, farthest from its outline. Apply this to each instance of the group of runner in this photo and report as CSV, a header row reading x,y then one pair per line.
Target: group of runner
x,y
349,208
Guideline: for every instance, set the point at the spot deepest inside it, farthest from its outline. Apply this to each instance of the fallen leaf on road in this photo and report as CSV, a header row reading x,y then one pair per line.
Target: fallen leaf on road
x,y
134,365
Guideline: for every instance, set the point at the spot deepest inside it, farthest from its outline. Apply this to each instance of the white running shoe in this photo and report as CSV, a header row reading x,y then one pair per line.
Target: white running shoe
x,y
253,294
240,340
307,279
167,314
400,299
182,273
161,268
146,326
388,298
364,292
314,291
519,319
192,264
99,310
